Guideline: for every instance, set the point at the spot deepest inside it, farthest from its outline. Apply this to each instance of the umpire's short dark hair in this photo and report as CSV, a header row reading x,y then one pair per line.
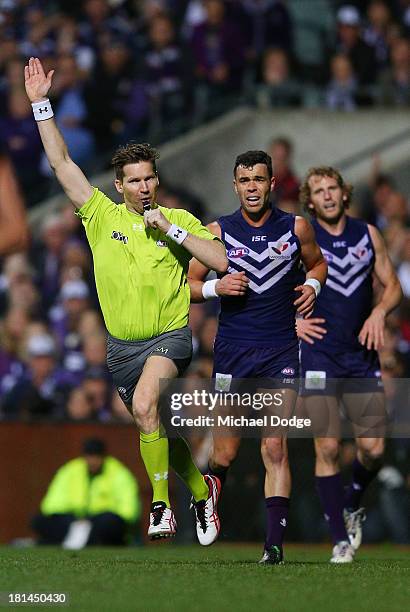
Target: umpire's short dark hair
x,y
251,158
132,153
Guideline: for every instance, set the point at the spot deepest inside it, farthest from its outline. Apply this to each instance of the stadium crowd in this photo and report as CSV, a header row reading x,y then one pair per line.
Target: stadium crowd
x,y
162,66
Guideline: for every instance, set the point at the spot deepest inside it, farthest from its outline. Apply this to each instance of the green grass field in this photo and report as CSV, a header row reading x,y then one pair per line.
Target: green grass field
x,y
224,577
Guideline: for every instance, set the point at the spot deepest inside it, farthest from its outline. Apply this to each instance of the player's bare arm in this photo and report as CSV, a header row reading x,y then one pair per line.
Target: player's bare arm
x,y
315,264
231,284
372,333
210,253
14,236
68,174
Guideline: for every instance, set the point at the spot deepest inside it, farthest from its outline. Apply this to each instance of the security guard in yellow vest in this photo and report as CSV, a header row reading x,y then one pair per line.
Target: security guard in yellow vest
x,y
92,499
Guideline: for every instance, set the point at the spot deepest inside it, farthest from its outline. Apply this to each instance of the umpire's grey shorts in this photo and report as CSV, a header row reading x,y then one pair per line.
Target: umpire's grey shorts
x,y
126,358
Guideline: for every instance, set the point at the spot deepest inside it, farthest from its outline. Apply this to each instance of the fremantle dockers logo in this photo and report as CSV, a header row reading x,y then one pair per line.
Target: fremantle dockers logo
x,y
279,250
119,236
359,254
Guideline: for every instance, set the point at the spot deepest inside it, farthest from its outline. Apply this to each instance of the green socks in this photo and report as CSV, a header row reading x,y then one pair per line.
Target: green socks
x,y
154,452
157,452
180,459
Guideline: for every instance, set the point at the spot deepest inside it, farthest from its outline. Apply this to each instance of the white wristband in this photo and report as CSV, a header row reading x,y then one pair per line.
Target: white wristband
x,y
177,234
313,282
209,289
42,110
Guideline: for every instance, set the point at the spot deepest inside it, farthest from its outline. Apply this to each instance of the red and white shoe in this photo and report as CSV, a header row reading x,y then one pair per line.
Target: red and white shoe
x,y
162,523
207,519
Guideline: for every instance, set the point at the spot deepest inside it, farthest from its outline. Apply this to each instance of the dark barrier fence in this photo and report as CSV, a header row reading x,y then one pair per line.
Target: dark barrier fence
x,y
31,453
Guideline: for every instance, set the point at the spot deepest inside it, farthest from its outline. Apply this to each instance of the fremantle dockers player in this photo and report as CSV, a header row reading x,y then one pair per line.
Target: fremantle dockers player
x,y
346,350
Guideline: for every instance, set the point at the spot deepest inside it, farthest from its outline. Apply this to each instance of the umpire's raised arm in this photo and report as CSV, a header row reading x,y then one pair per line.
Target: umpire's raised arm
x,y
69,175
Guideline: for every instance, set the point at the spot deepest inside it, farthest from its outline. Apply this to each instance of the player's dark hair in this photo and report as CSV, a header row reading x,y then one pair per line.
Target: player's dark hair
x,y
251,158
132,153
304,191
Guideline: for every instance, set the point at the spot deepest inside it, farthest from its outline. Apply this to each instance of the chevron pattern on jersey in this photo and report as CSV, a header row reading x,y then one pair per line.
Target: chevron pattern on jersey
x,y
263,269
346,274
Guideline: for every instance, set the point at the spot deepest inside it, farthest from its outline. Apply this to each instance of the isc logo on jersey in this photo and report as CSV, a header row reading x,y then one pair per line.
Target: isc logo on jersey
x,y
279,250
238,252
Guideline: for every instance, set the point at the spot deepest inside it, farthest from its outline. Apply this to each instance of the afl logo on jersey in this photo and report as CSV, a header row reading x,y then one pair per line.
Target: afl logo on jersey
x,y
288,371
238,252
279,250
328,257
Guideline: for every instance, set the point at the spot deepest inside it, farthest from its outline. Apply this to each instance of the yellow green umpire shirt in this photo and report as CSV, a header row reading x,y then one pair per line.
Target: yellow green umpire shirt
x,y
140,273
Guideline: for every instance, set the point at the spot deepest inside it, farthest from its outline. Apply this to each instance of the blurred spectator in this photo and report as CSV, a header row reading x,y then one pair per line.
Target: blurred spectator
x,y
94,349
17,286
404,10
12,329
381,186
377,32
278,88
266,24
167,75
93,499
195,14
394,82
313,34
65,318
71,113
218,50
394,208
351,43
75,262
68,43
99,19
39,391
173,197
98,391
19,135
90,323
72,223
38,40
286,192
112,83
341,92
47,257
79,406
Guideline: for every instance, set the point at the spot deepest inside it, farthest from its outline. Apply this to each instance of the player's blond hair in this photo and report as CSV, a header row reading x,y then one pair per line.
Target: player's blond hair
x,y
304,191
